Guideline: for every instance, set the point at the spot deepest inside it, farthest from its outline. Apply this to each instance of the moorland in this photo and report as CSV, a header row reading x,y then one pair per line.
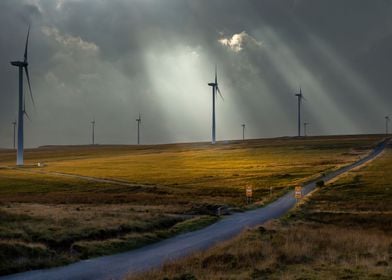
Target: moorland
x,y
343,230
153,191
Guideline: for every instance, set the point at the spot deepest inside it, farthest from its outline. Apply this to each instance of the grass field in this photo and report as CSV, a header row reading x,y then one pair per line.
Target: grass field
x,y
47,220
343,231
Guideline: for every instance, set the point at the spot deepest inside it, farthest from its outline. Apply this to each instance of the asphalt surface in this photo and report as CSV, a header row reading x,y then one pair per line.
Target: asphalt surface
x,y
119,265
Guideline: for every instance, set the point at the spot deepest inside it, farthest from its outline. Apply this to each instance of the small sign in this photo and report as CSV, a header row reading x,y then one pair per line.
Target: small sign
x,y
249,191
298,192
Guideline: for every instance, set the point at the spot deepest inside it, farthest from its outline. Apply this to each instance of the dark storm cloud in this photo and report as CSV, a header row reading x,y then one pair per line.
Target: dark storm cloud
x,y
113,59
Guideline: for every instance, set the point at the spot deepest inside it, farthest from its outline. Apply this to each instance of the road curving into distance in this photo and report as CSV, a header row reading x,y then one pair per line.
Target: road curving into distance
x,y
119,265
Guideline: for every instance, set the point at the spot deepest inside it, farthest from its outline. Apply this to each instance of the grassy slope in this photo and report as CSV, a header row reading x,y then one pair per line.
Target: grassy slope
x,y
47,220
344,231
200,170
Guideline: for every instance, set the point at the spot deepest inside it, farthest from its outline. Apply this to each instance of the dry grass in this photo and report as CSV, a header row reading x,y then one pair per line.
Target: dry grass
x,y
344,231
361,199
67,232
49,220
215,174
297,251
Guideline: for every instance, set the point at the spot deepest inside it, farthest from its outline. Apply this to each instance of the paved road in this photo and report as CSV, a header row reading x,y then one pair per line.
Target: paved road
x,y
119,265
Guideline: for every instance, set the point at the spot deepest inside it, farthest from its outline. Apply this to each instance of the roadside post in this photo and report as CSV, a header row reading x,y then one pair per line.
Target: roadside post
x,y
249,194
298,193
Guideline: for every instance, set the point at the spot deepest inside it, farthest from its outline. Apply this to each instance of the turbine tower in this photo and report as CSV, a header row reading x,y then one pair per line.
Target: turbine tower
x,y
305,128
138,120
215,89
243,131
387,120
93,131
14,125
300,97
22,101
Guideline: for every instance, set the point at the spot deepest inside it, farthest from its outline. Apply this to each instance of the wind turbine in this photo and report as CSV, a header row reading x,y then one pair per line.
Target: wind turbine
x,y
305,126
300,97
14,125
22,100
243,131
93,131
138,120
215,89
387,120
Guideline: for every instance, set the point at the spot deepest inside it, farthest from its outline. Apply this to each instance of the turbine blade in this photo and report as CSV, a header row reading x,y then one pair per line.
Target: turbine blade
x,y
28,82
216,74
27,44
218,90
27,115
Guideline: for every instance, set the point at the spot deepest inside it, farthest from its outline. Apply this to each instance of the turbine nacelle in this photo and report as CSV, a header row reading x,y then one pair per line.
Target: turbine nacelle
x,y
19,63
300,95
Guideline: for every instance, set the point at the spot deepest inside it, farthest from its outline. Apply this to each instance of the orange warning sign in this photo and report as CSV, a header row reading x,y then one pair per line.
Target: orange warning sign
x,y
249,191
298,192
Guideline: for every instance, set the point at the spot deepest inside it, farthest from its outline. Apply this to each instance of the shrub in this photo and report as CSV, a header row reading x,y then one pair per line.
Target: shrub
x,y
320,183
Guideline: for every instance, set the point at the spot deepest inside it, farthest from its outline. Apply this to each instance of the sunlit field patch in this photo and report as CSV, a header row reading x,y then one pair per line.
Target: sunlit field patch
x,y
47,219
342,231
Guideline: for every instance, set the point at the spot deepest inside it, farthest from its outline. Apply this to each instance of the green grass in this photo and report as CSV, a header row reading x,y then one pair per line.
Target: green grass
x,y
178,188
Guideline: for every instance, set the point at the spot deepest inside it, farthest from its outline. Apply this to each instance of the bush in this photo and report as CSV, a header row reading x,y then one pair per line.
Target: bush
x,y
186,276
320,183
18,256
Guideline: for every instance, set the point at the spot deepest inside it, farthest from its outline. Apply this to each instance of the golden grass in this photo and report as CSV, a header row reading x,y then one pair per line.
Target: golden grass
x,y
343,231
362,198
225,165
89,216
175,187
297,251
217,173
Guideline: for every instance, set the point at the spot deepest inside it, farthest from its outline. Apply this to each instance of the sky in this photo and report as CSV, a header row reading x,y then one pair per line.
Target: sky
x,y
111,60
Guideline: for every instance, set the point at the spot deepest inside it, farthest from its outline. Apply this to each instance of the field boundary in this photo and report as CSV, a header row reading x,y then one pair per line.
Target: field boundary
x,y
82,177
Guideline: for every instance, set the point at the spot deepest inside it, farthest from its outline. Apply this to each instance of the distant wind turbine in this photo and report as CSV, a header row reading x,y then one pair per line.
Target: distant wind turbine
x,y
93,131
14,125
243,131
305,128
22,100
215,90
387,120
138,120
300,97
